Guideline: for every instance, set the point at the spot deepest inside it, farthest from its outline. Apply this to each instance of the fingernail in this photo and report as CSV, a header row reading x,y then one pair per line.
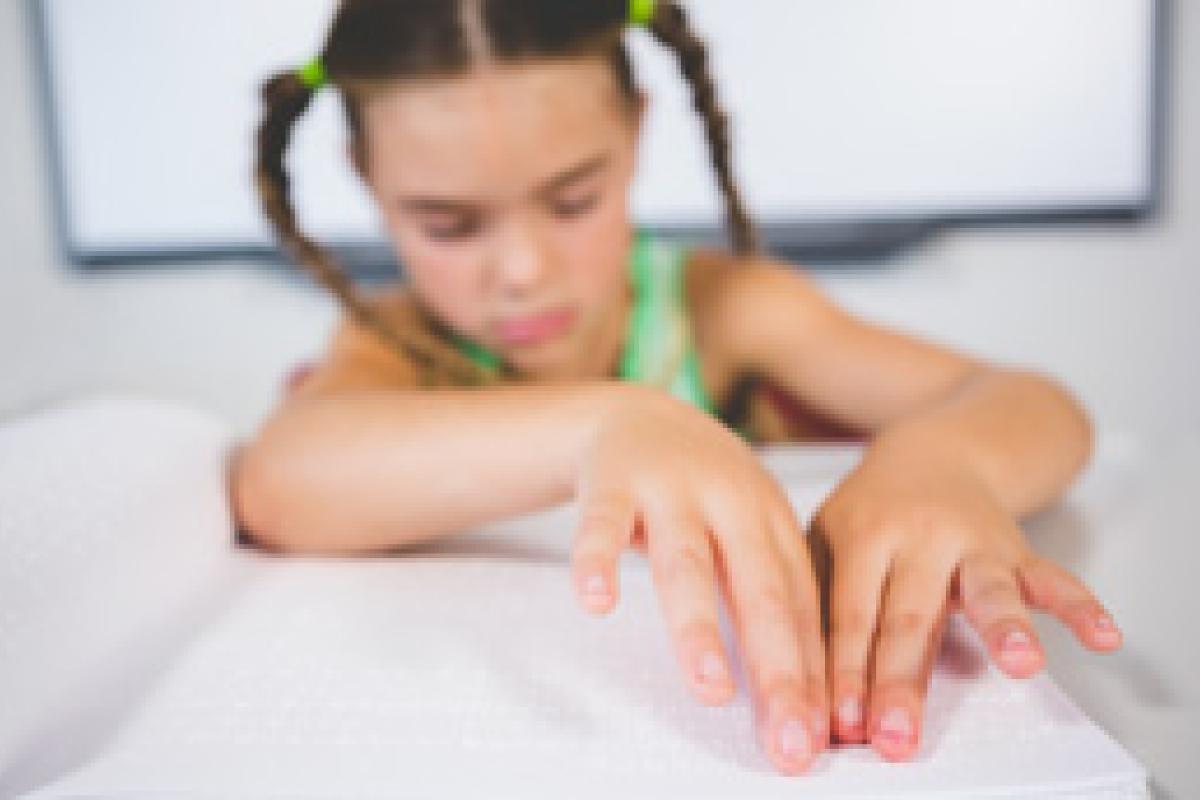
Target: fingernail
x,y
849,712
1106,629
1017,641
595,586
712,669
793,739
895,724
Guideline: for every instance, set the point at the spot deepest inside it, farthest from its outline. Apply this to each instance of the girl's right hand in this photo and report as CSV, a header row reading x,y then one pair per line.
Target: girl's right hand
x,y
672,481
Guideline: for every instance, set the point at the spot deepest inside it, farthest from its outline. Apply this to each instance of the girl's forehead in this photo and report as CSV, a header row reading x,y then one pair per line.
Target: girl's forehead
x,y
499,126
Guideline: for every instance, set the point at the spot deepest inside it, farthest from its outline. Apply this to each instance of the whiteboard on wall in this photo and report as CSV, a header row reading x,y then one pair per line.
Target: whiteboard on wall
x,y
853,111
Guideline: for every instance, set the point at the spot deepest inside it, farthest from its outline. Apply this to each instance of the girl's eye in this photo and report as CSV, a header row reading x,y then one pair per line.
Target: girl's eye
x,y
459,229
576,206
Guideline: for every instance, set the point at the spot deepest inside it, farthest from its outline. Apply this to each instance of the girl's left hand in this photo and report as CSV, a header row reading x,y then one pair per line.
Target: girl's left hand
x,y
910,535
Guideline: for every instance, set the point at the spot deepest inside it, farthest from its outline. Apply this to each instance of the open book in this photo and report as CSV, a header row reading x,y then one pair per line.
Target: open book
x,y
142,653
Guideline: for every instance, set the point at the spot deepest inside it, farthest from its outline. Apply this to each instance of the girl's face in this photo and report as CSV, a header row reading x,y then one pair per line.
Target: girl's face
x,y
505,193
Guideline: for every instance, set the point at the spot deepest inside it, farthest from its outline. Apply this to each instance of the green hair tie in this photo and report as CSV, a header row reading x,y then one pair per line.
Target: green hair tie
x,y
641,12
313,74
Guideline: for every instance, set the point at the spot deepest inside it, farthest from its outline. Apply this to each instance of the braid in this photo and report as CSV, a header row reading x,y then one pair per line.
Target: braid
x,y
670,27
285,100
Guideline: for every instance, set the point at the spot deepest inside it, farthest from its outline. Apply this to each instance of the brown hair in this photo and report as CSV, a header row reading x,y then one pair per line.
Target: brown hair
x,y
372,42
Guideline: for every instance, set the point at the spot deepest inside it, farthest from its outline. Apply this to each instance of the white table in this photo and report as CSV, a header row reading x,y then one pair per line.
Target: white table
x,y
133,673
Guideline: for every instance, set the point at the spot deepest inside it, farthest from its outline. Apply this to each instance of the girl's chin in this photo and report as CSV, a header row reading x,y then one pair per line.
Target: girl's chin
x,y
546,361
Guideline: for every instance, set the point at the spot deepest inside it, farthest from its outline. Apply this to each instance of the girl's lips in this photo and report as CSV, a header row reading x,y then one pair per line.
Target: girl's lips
x,y
529,330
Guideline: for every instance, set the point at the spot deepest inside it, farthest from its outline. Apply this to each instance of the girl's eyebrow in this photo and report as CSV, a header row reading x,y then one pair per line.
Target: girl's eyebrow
x,y
434,204
585,169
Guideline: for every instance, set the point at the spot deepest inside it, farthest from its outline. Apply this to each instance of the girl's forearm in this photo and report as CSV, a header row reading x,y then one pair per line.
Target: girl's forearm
x,y
361,471
1022,433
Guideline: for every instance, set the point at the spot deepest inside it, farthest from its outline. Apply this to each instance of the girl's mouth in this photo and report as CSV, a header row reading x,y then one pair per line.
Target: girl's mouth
x,y
535,329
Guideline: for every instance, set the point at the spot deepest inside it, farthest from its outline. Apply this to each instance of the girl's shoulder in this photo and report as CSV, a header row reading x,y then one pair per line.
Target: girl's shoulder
x,y
357,357
735,303
743,310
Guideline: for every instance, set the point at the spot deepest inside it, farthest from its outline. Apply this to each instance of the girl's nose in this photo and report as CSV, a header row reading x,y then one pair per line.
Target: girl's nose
x,y
522,263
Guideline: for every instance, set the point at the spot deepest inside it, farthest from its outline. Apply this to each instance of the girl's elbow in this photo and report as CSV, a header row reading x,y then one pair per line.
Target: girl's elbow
x,y
1079,431
278,508
1080,424
1086,433
258,497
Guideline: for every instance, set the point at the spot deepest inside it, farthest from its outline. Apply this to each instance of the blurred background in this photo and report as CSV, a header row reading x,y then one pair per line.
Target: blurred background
x,y
1020,180
133,246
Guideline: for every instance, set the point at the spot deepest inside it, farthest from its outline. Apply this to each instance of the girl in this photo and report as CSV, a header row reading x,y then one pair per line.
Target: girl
x,y
542,350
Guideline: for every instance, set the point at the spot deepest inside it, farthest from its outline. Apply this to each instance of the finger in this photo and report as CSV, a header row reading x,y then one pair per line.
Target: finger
x,y
1048,587
681,563
992,602
855,599
789,538
925,672
939,630
914,601
606,521
762,602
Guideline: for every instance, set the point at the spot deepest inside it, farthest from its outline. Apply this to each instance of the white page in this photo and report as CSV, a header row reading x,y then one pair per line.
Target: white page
x,y
466,666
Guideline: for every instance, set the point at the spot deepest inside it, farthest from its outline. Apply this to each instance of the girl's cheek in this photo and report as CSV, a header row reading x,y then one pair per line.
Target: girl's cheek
x,y
452,293
600,283
447,278
600,238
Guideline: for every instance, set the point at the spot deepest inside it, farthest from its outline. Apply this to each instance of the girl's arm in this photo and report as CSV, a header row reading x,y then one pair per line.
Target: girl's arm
x,y
927,522
367,469
1024,434
359,461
